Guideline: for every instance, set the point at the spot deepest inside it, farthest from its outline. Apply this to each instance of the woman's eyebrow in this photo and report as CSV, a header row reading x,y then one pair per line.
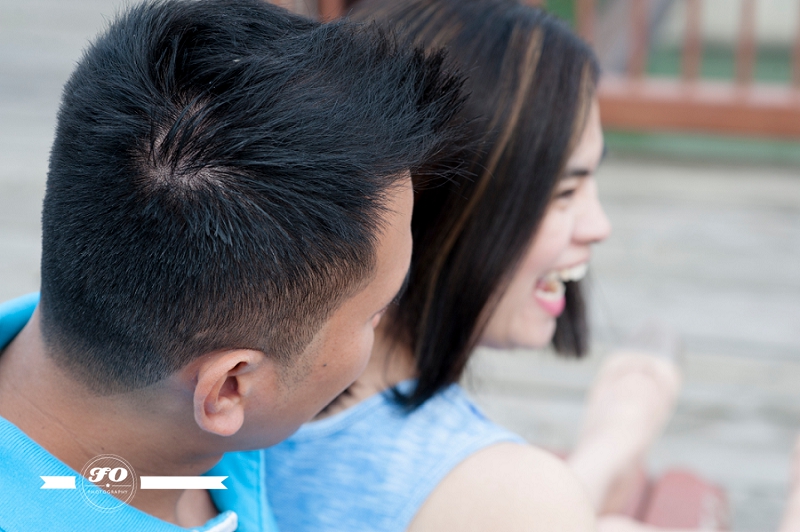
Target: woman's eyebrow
x,y
577,172
584,172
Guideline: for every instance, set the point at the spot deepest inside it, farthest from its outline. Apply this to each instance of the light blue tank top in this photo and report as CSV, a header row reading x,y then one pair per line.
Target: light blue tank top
x,y
371,467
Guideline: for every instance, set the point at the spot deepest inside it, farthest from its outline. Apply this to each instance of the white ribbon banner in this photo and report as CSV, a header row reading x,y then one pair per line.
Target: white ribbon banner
x,y
183,483
58,483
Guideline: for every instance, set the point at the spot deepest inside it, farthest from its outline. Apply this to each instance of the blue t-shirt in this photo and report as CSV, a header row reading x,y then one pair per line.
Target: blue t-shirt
x,y
371,467
25,507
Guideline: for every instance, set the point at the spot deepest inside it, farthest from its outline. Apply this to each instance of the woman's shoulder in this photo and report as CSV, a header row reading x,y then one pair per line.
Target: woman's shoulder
x,y
448,416
386,459
507,487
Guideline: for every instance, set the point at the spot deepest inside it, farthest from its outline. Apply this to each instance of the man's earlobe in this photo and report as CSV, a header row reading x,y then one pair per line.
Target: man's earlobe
x,y
220,393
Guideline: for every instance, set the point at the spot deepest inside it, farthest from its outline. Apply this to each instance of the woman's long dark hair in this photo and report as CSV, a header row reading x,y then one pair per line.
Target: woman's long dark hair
x,y
531,82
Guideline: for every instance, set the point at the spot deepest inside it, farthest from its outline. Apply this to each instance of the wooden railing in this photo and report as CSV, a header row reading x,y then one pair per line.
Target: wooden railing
x,y
634,101
741,106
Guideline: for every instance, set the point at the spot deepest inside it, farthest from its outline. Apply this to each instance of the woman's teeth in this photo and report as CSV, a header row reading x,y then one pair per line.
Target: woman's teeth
x,y
576,273
551,286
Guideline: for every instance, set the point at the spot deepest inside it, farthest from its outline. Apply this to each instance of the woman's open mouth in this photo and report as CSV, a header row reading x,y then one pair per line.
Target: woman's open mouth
x,y
550,289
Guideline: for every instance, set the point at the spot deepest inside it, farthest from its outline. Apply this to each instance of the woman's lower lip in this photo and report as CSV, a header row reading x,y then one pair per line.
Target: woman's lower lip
x,y
554,307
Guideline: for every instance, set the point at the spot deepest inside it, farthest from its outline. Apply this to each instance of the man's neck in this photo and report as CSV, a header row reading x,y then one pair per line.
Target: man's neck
x,y
75,426
391,362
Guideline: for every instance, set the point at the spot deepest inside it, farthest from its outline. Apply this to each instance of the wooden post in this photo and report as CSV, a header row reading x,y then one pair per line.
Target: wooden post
x,y
330,9
692,42
584,19
301,7
746,48
637,62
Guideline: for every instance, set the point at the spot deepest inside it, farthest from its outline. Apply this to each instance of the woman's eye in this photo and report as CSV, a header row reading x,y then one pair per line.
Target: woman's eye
x,y
567,187
565,194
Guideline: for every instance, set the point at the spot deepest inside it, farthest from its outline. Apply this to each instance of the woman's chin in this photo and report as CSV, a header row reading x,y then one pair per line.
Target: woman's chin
x,y
532,328
540,335
533,334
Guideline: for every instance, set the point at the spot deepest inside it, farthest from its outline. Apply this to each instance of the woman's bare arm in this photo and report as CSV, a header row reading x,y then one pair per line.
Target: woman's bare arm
x,y
507,488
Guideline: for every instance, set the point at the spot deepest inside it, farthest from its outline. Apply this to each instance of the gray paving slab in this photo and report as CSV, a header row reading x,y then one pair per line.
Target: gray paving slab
x,y
40,41
735,422
712,249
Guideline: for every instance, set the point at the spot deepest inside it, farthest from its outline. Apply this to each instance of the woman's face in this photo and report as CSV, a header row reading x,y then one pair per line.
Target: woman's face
x,y
526,314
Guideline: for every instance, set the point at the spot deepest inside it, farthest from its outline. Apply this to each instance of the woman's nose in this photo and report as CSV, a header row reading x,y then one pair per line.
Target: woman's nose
x,y
593,225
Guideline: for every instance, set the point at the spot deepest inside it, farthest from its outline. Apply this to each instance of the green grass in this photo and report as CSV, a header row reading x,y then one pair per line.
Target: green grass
x,y
563,9
712,148
773,65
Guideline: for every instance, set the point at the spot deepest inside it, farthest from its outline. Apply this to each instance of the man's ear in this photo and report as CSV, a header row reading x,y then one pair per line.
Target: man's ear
x,y
222,387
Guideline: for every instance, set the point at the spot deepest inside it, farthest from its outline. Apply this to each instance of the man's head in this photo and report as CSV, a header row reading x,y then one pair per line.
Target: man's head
x,y
229,188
